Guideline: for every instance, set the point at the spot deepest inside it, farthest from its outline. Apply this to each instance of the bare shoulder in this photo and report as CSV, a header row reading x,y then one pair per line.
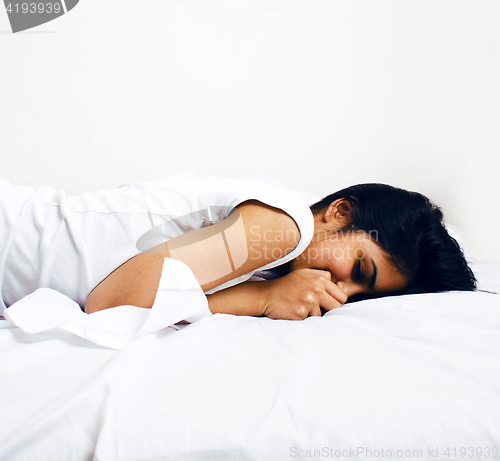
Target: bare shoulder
x,y
269,227
253,209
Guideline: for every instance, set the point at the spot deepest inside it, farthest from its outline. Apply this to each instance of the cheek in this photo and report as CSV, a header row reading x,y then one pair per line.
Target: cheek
x,y
340,270
338,260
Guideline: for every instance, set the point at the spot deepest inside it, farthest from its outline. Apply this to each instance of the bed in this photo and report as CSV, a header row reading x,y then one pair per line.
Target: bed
x,y
413,377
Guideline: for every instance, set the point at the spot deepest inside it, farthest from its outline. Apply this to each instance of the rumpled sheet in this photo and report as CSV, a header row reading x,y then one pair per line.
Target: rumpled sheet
x,y
407,375
179,298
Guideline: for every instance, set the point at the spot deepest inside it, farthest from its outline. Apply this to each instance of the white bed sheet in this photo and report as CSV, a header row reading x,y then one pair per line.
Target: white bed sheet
x,y
416,373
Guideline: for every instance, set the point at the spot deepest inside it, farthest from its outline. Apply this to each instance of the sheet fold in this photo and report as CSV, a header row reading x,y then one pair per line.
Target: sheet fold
x,y
179,298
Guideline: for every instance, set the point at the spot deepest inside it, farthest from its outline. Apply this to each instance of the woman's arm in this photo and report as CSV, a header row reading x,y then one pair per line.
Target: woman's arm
x,y
251,237
255,236
295,296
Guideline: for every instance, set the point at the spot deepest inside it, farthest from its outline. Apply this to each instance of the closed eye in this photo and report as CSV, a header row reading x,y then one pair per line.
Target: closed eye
x,y
359,272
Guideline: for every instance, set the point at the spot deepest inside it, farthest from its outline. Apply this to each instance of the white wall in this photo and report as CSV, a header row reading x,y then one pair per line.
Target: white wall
x,y
318,94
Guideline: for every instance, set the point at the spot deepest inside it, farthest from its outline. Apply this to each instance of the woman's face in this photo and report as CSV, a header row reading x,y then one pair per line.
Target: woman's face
x,y
353,258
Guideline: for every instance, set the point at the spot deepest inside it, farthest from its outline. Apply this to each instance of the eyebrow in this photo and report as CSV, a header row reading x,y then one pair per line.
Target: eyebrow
x,y
373,278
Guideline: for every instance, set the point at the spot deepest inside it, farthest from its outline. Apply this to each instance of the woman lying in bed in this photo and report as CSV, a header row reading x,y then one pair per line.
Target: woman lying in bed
x,y
368,240
104,249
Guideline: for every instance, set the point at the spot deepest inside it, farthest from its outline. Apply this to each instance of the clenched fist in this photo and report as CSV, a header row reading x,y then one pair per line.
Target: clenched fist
x,y
302,293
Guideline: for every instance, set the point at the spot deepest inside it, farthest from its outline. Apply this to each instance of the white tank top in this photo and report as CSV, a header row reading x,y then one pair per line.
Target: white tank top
x,y
70,244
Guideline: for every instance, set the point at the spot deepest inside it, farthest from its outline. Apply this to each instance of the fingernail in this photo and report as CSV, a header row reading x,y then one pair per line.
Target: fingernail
x,y
342,286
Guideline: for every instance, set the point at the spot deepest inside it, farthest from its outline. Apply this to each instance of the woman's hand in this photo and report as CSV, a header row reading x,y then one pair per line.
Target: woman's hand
x,y
295,296
302,293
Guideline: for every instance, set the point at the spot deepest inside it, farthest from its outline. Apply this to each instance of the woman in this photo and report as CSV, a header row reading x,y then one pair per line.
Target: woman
x,y
107,249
